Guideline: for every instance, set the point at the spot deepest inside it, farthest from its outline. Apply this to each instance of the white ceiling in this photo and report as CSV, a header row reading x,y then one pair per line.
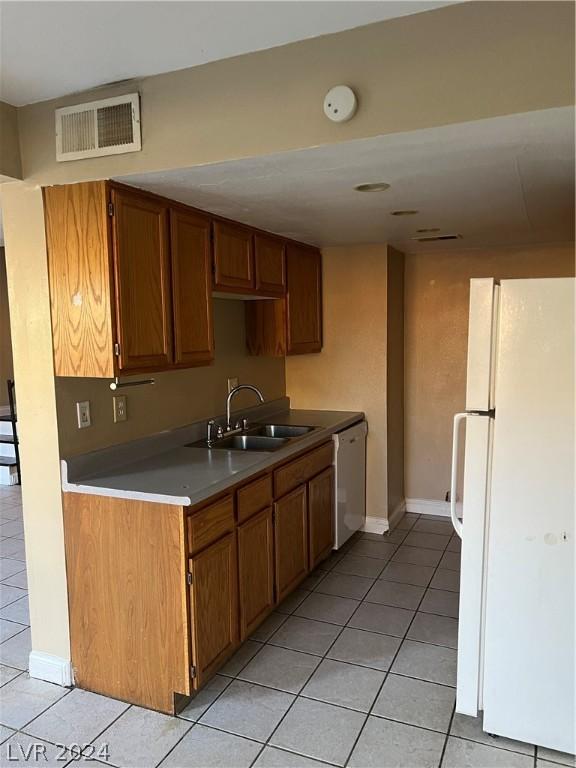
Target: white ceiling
x,y
500,181
50,49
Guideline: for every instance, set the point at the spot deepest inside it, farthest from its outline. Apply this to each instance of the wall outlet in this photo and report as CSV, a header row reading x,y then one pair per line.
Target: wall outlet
x,y
83,414
232,382
119,404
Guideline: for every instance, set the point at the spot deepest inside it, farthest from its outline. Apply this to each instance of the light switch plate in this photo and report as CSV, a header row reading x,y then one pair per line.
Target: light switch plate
x,y
119,403
83,414
232,382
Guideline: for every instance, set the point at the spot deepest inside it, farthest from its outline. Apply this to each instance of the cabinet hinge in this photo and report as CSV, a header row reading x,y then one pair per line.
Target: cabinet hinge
x,y
189,578
117,349
192,672
110,209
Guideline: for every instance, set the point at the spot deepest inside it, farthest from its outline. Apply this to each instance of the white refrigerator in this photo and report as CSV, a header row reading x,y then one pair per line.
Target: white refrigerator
x,y
516,637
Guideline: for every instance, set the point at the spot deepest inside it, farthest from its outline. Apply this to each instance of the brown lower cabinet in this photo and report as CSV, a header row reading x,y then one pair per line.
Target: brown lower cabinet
x,y
291,540
320,517
161,596
213,607
255,570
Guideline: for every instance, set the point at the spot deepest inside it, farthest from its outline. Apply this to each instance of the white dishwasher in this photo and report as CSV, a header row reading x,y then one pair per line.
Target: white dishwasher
x,y
350,481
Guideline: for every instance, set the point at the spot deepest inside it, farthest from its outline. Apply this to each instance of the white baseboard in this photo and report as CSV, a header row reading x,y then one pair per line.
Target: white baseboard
x,y
53,669
431,507
375,525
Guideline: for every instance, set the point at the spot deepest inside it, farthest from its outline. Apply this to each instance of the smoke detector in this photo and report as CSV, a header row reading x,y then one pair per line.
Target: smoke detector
x,y
340,104
98,128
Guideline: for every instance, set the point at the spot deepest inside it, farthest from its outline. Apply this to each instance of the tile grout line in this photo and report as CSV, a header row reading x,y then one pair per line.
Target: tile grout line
x,y
325,656
27,723
300,695
386,676
389,671
444,746
321,658
12,621
297,695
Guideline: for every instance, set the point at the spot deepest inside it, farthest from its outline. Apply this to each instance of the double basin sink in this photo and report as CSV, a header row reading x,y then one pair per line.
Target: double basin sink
x,y
262,437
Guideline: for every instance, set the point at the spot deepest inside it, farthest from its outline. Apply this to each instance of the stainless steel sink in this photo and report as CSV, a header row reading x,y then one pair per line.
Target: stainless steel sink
x,y
260,437
282,430
247,443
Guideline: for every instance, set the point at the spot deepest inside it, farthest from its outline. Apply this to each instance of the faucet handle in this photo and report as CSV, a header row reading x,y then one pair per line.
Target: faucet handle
x,y
211,428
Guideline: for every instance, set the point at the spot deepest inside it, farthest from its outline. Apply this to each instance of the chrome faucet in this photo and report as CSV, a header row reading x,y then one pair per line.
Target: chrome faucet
x,y
229,403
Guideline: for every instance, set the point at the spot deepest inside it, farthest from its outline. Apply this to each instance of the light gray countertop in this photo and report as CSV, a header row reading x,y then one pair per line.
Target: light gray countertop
x,y
182,475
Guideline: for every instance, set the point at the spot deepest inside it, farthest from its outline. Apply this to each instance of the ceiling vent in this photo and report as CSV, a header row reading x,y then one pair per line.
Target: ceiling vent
x,y
434,238
98,128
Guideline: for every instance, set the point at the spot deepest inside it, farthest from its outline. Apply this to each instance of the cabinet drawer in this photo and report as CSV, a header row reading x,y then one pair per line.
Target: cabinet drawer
x,y
301,470
210,523
254,497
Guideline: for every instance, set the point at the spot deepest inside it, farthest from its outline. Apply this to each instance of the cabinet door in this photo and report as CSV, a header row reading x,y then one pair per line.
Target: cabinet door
x,y
233,257
213,606
255,570
291,541
81,283
269,265
321,516
304,299
191,288
143,291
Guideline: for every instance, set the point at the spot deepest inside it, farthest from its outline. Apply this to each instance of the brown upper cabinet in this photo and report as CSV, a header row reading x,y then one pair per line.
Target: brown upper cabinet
x,y
191,287
292,326
129,281
304,301
269,265
233,257
248,263
141,256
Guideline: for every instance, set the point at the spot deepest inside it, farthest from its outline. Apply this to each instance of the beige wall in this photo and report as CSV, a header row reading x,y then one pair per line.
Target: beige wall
x,y
436,336
177,398
455,64
350,373
23,214
6,368
10,164
395,379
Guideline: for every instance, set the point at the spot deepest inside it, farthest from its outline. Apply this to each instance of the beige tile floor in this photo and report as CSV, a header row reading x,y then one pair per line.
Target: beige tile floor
x,y
357,668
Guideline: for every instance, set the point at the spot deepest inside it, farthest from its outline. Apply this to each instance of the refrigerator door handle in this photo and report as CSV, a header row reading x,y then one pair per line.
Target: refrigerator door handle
x,y
458,418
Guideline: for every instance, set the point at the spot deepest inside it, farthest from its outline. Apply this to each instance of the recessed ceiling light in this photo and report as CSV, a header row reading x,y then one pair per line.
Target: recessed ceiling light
x,y
404,213
378,186
426,230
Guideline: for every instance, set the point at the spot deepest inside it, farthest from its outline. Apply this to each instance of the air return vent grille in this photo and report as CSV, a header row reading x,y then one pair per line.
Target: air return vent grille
x,y
434,238
105,127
